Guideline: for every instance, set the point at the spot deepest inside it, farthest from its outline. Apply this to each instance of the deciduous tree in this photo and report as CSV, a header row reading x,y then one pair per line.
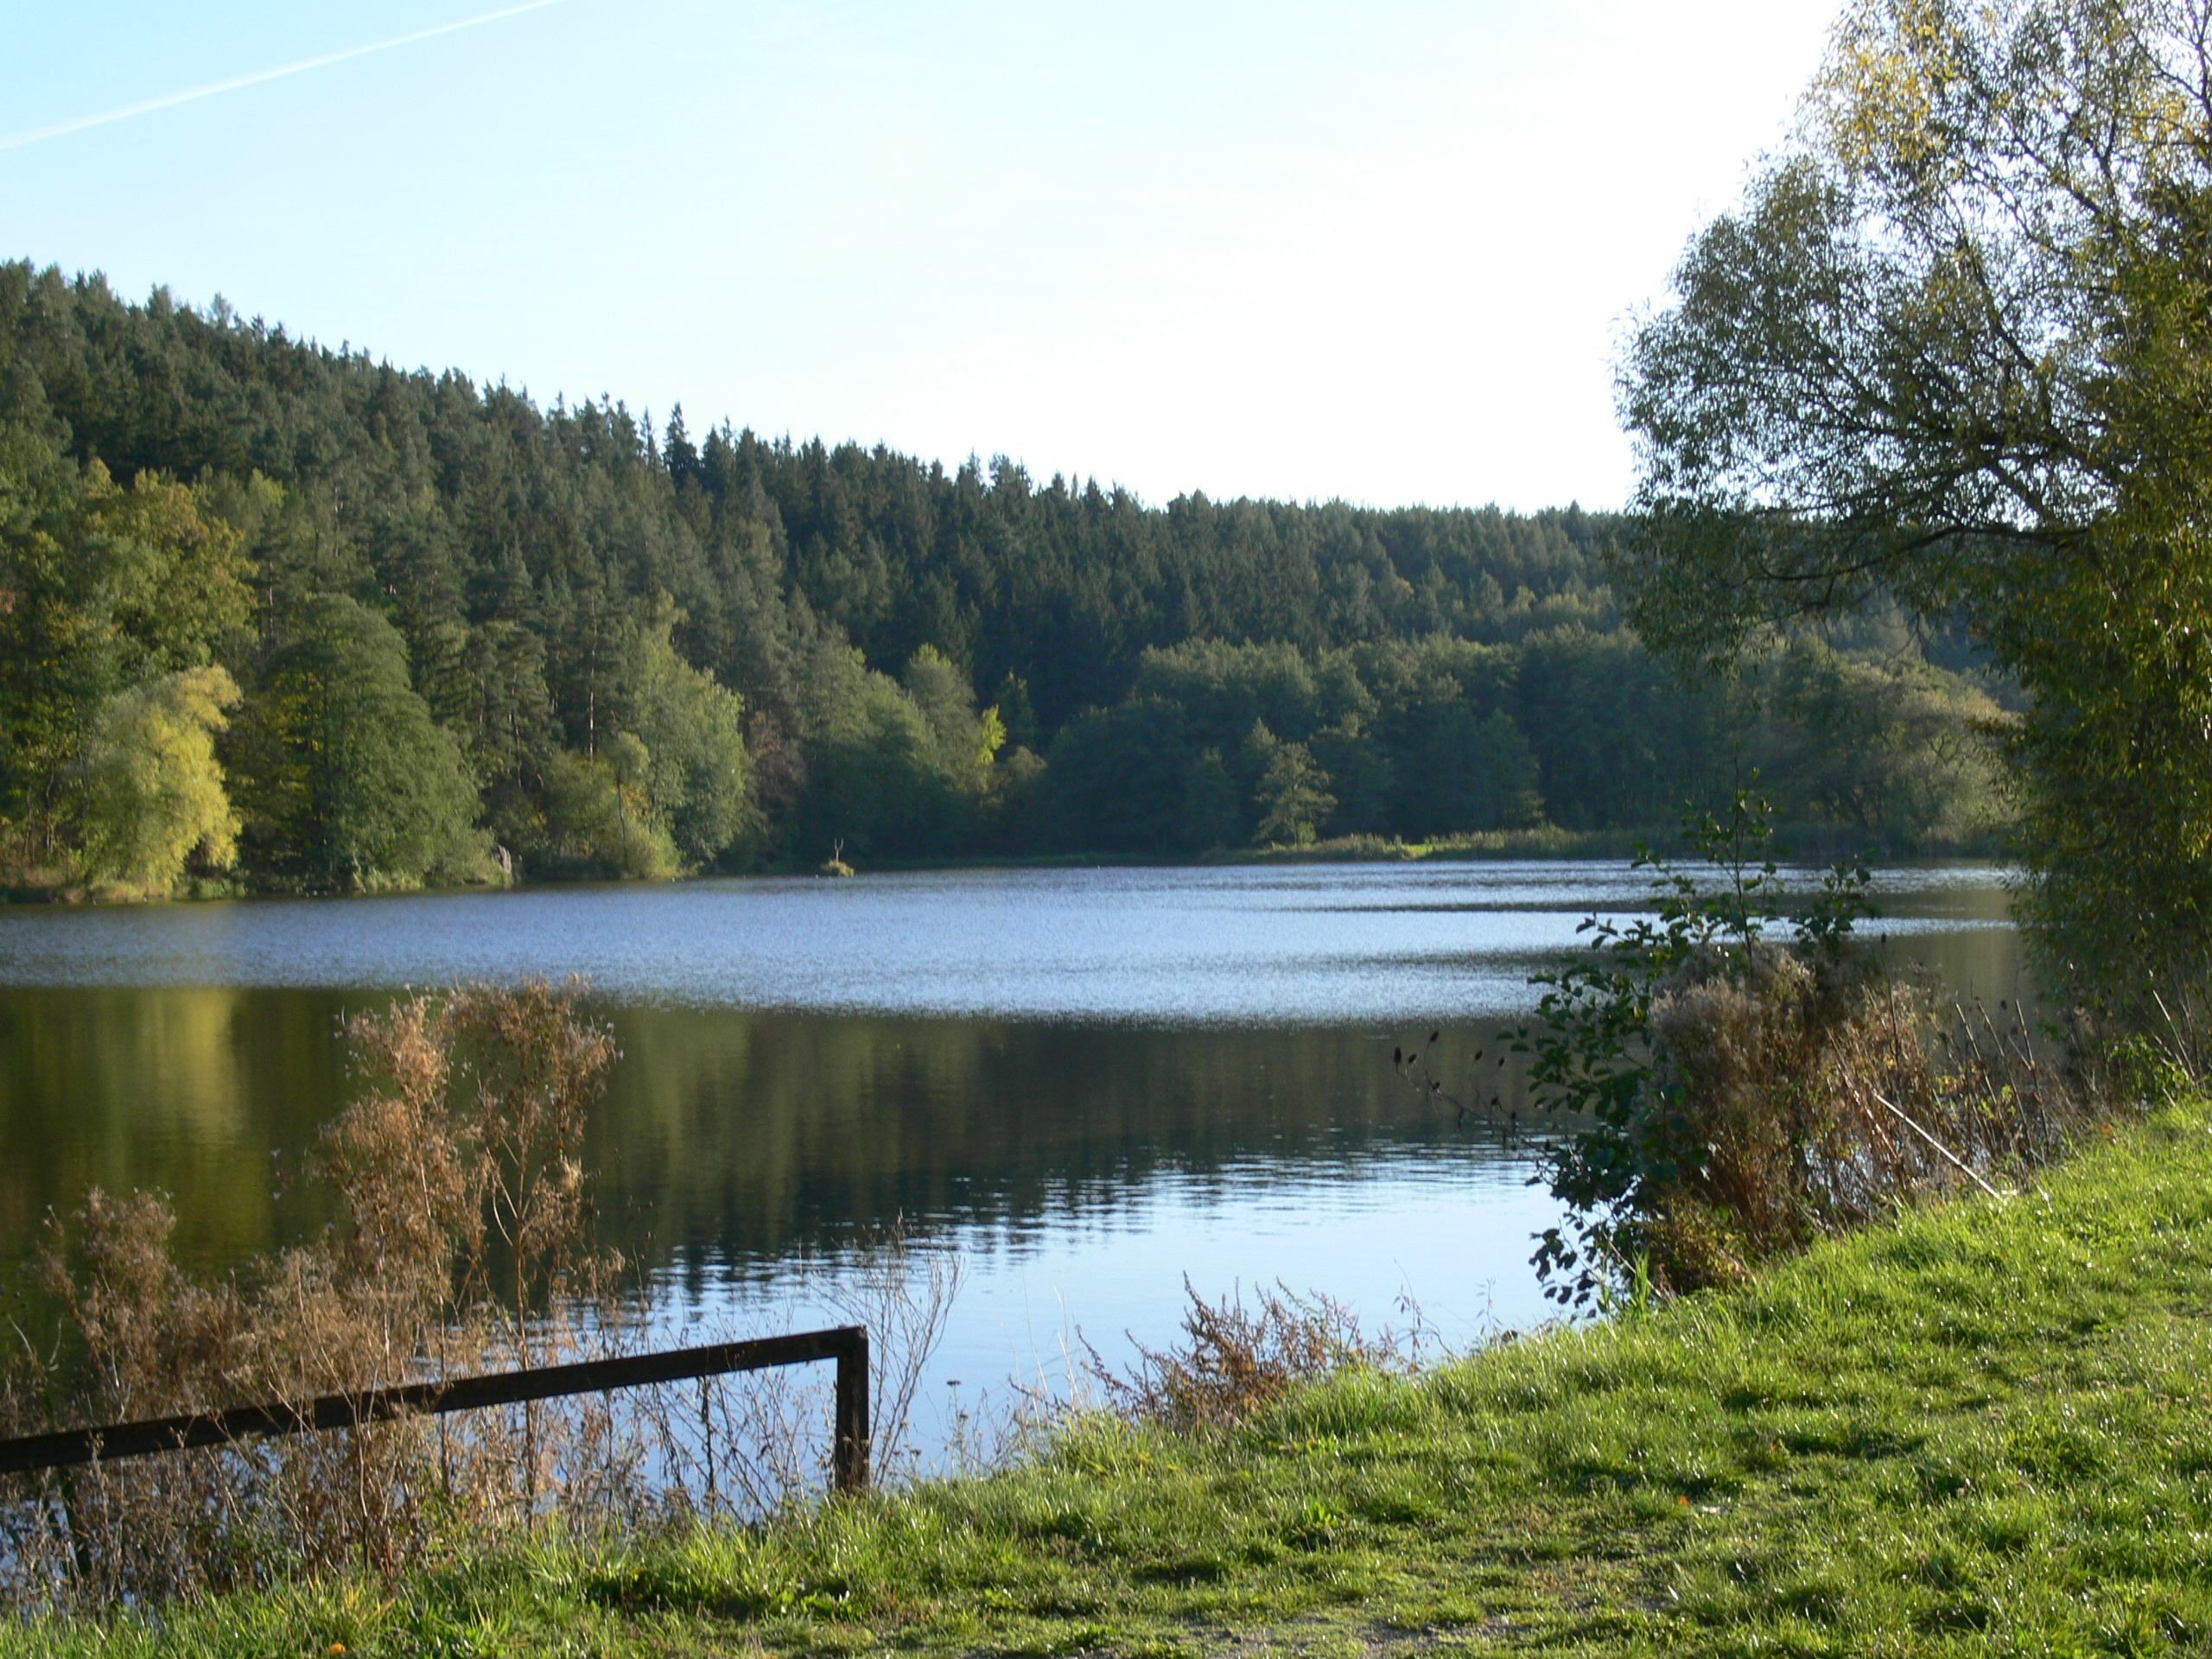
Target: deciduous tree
x,y
1956,347
154,791
345,778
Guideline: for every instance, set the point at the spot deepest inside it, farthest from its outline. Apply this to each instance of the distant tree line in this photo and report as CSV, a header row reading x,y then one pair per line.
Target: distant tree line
x,y
267,604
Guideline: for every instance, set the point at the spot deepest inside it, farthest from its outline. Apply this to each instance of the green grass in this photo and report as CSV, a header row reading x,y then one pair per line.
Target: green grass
x,y
1813,843
1547,841
1988,1429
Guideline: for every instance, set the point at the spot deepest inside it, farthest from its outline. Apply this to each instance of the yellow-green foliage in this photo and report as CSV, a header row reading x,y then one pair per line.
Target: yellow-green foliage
x,y
154,794
602,812
688,760
174,576
965,743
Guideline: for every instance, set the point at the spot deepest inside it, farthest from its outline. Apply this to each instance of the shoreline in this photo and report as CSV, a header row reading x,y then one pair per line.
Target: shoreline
x,y
1805,845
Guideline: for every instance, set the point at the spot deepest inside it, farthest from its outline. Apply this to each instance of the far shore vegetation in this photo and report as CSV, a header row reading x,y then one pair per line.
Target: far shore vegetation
x,y
278,618
1803,842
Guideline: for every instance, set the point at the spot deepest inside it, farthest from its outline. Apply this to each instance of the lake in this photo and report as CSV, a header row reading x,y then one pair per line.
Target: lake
x,y
1083,1084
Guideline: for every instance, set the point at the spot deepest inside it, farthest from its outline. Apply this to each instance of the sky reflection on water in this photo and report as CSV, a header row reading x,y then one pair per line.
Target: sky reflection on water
x,y
1084,1083
1244,945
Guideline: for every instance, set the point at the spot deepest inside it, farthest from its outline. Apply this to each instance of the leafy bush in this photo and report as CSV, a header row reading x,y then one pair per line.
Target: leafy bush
x,y
1746,1087
601,817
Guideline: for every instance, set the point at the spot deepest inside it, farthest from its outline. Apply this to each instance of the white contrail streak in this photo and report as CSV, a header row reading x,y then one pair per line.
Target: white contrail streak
x,y
61,129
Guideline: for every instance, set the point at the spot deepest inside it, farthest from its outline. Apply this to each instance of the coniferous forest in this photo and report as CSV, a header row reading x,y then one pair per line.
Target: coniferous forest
x,y
275,614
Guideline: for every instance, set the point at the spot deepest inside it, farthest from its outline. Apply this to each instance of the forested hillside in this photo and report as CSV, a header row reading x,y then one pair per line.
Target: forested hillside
x,y
267,604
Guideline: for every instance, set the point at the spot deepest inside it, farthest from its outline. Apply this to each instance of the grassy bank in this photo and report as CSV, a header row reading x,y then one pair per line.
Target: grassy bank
x,y
1988,1429
1814,844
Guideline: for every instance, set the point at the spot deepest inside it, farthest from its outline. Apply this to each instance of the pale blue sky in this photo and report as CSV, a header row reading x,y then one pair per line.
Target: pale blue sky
x,y
1382,251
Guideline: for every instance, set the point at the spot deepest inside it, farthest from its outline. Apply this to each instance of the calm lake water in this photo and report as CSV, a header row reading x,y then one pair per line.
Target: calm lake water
x,y
1085,1084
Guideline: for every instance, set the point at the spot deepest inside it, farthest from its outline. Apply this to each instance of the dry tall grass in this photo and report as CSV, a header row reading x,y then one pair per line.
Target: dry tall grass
x,y
464,1246
1234,1359
1793,1095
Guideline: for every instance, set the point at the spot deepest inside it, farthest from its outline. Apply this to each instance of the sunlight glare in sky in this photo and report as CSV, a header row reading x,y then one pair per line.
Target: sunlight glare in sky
x,y
1383,252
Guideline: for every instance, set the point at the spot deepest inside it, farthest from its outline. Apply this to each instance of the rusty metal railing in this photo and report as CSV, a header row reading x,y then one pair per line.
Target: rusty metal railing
x,y
847,1345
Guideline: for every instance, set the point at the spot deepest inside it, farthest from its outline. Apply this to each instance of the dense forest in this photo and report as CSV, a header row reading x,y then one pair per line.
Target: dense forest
x,y
276,609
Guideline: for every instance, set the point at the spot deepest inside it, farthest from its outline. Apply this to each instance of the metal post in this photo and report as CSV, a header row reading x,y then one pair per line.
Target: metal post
x,y
66,1448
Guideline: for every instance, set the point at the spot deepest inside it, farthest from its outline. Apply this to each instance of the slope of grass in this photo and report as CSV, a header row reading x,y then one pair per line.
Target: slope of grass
x,y
1988,1429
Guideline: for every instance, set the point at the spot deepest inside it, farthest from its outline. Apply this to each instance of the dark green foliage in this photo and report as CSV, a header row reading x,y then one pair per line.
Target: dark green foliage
x,y
1290,793
1619,738
1120,778
1465,772
58,656
1211,817
1889,746
709,649
342,778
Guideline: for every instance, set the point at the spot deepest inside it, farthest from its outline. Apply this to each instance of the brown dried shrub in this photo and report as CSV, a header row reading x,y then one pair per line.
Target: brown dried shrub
x,y
1804,1095
1234,1359
464,1245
